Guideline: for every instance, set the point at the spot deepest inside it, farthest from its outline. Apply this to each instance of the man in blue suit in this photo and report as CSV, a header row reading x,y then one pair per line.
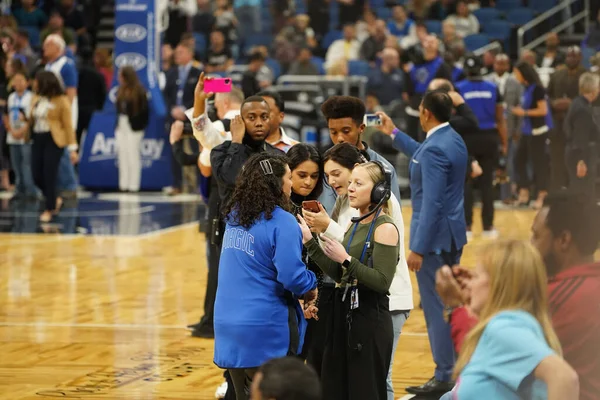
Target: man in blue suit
x,y
438,167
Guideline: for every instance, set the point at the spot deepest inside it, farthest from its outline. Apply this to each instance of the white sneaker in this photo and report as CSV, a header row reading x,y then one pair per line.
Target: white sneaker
x,y
469,236
491,234
221,391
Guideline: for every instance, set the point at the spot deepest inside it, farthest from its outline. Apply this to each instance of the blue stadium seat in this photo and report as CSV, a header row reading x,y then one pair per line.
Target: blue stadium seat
x,y
358,67
275,67
258,39
200,40
376,3
507,5
434,26
541,5
520,16
487,14
319,63
331,37
586,54
383,13
34,35
499,30
474,42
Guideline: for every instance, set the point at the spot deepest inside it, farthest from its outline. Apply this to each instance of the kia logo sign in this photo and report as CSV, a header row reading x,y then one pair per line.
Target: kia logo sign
x,y
131,33
135,60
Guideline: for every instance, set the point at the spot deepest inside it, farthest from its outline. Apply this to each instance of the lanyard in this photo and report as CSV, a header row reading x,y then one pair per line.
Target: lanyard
x,y
367,241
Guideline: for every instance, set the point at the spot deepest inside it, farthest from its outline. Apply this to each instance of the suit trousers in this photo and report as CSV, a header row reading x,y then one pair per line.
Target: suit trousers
x,y
433,308
532,148
558,143
45,158
129,143
484,147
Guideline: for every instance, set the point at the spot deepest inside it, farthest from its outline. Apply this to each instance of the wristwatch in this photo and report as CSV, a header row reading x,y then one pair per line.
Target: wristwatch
x,y
346,262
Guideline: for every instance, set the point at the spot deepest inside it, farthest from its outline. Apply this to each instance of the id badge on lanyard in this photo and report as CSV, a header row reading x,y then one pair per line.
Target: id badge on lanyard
x,y
353,284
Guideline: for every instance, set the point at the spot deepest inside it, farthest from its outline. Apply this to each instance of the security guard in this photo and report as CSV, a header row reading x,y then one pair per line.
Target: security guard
x,y
485,100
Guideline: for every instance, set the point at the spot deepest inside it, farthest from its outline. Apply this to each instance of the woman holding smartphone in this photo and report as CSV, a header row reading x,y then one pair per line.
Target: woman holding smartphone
x,y
339,161
306,166
360,335
261,273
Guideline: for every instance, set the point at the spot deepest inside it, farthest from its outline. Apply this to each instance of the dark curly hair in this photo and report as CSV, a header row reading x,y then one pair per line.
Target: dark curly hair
x,y
337,107
257,192
302,152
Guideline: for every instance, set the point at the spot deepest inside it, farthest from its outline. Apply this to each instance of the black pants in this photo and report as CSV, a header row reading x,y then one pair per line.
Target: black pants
x,y
45,157
558,143
483,146
587,184
242,379
532,148
214,257
176,168
314,340
358,348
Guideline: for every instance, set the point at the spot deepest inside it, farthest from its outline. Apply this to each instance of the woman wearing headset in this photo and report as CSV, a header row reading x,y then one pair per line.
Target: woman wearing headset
x,y
339,161
360,336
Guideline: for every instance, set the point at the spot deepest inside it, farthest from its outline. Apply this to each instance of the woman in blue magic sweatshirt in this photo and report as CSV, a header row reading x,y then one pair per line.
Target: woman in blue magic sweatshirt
x,y
261,274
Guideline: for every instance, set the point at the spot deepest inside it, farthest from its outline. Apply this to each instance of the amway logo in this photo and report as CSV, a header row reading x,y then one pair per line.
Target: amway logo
x,y
136,60
131,33
106,148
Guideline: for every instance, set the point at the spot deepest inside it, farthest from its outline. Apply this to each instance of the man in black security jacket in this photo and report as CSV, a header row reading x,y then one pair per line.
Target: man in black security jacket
x,y
248,133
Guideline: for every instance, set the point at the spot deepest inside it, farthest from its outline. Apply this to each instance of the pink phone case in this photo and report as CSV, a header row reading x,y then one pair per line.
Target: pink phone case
x,y
217,85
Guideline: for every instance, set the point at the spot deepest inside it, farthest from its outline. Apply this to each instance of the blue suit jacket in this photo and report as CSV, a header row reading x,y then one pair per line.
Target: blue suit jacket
x,y
437,169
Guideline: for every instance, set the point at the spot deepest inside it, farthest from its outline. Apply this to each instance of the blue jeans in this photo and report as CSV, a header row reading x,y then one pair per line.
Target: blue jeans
x,y
67,180
398,320
20,158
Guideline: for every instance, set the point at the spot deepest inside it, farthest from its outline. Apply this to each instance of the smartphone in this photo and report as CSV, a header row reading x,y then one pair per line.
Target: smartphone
x,y
372,120
217,85
311,205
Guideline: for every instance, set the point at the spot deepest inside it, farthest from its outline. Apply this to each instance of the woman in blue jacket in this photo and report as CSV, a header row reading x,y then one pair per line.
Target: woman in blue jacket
x,y
261,274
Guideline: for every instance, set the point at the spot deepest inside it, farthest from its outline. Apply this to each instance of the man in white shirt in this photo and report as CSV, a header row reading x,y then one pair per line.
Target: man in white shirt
x,y
347,48
211,134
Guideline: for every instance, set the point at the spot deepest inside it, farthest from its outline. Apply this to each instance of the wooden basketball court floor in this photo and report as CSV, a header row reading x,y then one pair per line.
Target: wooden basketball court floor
x,y
104,317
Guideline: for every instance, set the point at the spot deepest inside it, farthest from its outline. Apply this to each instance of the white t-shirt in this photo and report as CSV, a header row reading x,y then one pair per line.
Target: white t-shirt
x,y
19,108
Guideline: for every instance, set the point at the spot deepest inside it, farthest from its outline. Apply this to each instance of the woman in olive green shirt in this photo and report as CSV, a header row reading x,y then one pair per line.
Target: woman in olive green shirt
x,y
359,337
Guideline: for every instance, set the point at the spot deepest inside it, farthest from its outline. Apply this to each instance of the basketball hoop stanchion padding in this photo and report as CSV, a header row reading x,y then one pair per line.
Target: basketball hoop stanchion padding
x,y
137,43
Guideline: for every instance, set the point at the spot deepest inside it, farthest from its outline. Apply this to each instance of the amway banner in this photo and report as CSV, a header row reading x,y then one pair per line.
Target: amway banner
x,y
137,43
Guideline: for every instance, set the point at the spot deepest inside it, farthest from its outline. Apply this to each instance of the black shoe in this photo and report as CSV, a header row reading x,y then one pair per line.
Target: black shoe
x,y
433,386
205,331
197,325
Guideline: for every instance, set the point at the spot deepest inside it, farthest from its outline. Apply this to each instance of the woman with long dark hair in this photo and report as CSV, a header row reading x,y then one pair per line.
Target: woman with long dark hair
x,y
132,108
532,147
261,274
306,166
52,131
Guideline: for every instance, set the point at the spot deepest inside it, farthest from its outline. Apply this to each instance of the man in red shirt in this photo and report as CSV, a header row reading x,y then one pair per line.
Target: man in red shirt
x,y
566,232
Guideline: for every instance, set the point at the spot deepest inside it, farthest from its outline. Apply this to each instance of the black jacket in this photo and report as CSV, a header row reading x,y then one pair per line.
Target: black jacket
x,y
170,92
138,121
581,129
227,160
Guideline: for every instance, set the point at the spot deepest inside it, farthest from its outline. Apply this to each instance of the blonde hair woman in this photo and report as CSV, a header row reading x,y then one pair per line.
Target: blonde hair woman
x,y
513,351
360,335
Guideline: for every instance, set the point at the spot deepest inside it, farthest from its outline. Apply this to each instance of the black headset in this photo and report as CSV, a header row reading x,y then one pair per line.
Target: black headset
x,y
382,191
